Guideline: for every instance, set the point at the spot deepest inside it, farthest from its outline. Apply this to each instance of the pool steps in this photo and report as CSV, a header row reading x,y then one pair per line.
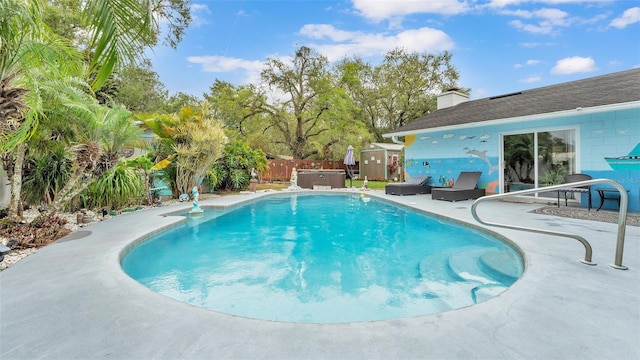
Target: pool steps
x,y
473,274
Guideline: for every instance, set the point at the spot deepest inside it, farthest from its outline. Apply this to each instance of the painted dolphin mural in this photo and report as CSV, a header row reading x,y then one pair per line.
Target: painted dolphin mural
x,y
482,155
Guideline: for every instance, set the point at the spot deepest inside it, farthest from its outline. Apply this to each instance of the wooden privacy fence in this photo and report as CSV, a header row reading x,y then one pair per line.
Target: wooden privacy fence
x,y
280,170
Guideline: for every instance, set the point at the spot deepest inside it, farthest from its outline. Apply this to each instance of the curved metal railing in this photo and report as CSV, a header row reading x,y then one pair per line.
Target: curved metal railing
x,y
622,219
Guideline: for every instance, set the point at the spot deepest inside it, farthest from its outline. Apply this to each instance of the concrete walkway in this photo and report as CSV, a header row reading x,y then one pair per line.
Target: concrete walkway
x,y
71,300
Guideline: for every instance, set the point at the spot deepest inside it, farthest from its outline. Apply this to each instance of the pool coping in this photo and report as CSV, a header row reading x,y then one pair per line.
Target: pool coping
x,y
72,300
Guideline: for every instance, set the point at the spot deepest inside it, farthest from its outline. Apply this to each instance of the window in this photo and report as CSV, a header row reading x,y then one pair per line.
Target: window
x,y
536,159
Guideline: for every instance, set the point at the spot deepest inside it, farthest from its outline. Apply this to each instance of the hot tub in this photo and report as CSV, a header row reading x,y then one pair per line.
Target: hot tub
x,y
308,179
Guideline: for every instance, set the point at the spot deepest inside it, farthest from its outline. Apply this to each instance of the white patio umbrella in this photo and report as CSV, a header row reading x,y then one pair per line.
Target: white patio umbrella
x,y
350,161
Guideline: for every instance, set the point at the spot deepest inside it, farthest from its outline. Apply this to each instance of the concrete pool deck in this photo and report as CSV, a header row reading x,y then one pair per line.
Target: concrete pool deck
x,y
71,300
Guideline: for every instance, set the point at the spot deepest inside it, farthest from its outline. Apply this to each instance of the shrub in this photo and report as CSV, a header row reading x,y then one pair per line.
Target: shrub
x,y
45,174
120,186
233,170
40,232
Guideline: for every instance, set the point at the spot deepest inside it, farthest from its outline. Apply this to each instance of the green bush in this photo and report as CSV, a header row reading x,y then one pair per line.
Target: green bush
x,y
233,170
120,186
45,174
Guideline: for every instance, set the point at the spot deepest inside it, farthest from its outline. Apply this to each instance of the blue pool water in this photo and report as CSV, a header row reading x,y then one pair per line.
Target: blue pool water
x,y
323,259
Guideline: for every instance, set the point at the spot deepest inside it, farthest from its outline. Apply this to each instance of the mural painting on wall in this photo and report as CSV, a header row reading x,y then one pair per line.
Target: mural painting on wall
x,y
626,162
446,169
482,155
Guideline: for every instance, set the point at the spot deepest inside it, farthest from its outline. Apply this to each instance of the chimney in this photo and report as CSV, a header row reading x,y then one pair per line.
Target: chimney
x,y
451,98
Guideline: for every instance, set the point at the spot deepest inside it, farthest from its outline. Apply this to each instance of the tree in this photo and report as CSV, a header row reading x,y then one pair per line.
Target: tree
x,y
107,132
178,101
34,60
35,65
137,87
235,105
315,112
399,90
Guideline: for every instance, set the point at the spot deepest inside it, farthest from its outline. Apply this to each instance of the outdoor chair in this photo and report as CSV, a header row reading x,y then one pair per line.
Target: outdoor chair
x,y
465,188
418,185
580,190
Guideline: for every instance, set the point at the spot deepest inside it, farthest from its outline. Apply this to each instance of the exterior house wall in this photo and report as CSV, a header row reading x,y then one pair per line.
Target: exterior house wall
x,y
443,154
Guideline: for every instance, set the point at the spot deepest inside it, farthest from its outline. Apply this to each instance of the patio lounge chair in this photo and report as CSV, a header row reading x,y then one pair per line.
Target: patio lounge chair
x,y
419,186
582,189
464,188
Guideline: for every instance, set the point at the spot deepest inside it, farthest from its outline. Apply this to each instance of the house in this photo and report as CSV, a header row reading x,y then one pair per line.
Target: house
x,y
380,161
532,138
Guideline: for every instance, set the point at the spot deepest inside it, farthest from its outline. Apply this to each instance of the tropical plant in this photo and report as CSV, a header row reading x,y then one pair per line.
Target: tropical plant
x,y
45,173
40,232
233,170
106,133
33,58
199,144
33,61
188,144
119,186
143,166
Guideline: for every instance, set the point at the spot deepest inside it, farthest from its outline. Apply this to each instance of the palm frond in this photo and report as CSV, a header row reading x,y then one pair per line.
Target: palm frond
x,y
121,29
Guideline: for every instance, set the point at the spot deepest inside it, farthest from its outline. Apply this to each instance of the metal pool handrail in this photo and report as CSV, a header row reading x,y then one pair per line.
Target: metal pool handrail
x,y
622,219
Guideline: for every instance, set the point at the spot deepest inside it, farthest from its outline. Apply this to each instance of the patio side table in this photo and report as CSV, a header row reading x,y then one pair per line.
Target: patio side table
x,y
608,194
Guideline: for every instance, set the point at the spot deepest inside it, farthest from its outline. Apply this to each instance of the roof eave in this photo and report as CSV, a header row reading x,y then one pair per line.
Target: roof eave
x,y
572,112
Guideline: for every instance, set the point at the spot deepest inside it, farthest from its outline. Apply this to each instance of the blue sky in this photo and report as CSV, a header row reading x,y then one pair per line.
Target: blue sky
x,y
498,46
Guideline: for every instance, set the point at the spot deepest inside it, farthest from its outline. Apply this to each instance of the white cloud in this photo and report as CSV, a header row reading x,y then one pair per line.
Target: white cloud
x,y
384,9
549,19
534,29
223,64
630,16
614,63
323,31
531,79
505,3
531,62
198,11
573,65
344,43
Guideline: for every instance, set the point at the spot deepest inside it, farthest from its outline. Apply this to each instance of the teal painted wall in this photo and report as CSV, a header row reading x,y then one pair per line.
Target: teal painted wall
x,y
600,135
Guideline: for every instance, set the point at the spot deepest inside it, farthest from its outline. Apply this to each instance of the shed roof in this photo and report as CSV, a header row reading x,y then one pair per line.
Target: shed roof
x,y
616,88
384,146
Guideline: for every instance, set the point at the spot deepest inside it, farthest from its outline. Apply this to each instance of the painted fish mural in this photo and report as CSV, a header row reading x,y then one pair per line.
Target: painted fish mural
x,y
627,162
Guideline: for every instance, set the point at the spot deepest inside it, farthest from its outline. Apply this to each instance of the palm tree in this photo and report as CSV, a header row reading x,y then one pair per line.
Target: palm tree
x,y
105,135
33,58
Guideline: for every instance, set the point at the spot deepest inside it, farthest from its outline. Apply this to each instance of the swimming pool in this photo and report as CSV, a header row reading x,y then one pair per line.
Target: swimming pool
x,y
325,258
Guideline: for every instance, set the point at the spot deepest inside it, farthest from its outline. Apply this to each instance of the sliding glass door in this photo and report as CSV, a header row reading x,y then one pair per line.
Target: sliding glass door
x,y
538,158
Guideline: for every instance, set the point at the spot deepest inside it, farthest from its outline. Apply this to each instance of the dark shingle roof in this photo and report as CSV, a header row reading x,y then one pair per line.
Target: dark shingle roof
x,y
616,88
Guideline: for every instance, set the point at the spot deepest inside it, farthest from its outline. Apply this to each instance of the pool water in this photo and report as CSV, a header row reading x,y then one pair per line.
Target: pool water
x,y
323,259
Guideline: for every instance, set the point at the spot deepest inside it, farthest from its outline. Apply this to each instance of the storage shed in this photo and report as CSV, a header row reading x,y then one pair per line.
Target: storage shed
x,y
381,161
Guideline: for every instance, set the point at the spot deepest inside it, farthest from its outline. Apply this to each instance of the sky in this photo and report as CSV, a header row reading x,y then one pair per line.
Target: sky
x,y
498,46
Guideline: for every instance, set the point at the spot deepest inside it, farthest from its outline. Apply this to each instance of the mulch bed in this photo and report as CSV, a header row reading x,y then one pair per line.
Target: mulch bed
x,y
633,219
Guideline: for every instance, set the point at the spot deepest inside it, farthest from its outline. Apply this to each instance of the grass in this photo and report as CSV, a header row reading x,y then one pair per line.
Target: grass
x,y
375,185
